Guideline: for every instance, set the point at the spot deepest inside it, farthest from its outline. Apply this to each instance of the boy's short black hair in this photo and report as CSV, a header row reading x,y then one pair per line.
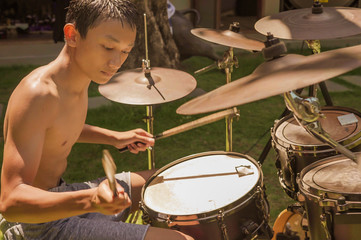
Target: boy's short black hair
x,y
86,14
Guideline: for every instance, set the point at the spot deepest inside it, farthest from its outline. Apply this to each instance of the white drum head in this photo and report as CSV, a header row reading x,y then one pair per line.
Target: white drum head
x,y
201,184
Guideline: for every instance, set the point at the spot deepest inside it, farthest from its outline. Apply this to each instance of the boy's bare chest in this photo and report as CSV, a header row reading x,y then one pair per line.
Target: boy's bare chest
x,y
67,126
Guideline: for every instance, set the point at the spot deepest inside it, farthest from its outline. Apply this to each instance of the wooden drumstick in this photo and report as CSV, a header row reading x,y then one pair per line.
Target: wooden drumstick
x,y
110,169
196,123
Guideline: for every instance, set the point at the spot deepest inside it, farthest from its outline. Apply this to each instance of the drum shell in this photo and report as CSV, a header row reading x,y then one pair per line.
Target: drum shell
x,y
292,157
339,211
240,217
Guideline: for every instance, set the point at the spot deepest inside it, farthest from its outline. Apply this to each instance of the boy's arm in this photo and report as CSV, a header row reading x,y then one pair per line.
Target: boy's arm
x,y
136,140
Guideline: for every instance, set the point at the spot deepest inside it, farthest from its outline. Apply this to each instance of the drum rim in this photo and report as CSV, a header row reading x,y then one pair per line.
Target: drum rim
x,y
348,142
317,192
210,215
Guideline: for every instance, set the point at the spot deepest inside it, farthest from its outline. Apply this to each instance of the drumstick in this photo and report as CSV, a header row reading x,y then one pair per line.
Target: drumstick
x,y
196,123
110,168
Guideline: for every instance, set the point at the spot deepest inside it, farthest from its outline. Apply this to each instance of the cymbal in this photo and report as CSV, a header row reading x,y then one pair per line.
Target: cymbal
x,y
131,86
302,24
228,38
275,77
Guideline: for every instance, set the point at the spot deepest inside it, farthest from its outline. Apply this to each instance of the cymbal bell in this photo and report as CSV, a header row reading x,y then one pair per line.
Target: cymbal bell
x,y
228,38
275,77
302,24
133,87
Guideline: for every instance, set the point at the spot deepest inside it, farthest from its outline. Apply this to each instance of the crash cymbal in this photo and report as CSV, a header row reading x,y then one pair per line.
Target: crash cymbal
x,y
275,77
302,24
228,38
133,87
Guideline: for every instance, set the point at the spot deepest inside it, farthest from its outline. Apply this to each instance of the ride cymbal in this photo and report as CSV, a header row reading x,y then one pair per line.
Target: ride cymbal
x,y
303,24
161,85
228,38
275,77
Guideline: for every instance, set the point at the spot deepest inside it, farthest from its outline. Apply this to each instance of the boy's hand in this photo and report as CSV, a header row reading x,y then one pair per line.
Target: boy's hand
x,y
106,203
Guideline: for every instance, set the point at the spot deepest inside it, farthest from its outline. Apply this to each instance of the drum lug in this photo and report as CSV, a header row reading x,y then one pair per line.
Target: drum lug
x,y
222,225
169,221
323,202
342,206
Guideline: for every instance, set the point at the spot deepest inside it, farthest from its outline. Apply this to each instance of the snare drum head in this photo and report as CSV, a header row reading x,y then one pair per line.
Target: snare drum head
x,y
336,174
289,131
201,184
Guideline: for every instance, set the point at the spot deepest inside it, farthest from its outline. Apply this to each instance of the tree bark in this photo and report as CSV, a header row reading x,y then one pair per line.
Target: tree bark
x,y
162,49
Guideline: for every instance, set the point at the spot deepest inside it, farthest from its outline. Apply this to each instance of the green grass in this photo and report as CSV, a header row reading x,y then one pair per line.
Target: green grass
x,y
250,131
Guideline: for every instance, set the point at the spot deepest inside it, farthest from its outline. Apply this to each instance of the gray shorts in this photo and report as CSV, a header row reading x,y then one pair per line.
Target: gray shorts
x,y
90,226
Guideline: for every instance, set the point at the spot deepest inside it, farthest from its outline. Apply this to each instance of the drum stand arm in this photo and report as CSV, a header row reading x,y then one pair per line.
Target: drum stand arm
x,y
307,112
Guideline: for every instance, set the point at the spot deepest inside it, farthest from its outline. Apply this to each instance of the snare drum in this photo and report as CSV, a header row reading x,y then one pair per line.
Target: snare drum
x,y
211,195
330,190
296,148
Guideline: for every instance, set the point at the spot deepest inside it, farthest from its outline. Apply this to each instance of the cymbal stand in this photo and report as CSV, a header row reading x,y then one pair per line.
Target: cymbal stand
x,y
149,120
149,109
227,63
229,60
315,46
274,48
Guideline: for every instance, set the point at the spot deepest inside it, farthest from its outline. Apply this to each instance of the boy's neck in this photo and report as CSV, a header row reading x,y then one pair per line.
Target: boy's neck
x,y
67,73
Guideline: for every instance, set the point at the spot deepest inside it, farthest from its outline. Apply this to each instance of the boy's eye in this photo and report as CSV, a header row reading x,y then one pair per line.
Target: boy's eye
x,y
108,48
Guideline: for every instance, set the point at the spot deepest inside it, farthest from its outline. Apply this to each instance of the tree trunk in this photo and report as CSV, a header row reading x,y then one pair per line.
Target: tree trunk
x,y
162,49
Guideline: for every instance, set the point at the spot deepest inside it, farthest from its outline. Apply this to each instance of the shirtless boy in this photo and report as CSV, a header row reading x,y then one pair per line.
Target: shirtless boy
x,y
46,116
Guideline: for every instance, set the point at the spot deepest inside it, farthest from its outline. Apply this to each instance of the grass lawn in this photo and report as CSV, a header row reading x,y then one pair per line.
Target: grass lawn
x,y
250,132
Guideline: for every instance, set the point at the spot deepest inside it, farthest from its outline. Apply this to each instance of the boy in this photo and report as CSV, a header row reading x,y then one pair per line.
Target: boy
x,y
45,117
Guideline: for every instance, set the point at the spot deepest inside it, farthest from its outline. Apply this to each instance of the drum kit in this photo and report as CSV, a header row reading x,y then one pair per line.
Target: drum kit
x,y
317,147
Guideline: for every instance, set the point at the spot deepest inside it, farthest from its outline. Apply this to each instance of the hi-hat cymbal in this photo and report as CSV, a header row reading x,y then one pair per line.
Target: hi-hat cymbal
x,y
275,77
228,38
302,24
132,86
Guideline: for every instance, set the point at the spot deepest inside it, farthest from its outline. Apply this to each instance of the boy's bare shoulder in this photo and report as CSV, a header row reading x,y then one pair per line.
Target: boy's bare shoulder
x,y
37,86
36,93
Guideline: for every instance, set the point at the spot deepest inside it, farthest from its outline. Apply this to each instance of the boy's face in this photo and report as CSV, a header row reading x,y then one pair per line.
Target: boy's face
x,y
104,49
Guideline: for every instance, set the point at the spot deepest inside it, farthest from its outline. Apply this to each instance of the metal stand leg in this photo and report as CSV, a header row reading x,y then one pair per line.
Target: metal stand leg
x,y
268,146
149,120
229,120
325,93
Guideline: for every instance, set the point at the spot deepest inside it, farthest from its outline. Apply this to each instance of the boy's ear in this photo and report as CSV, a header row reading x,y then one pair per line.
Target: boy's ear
x,y
71,34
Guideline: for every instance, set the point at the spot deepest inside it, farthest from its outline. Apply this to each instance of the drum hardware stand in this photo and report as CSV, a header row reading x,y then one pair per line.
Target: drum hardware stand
x,y
315,46
227,63
274,48
149,108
